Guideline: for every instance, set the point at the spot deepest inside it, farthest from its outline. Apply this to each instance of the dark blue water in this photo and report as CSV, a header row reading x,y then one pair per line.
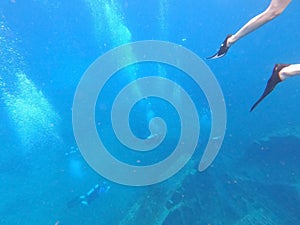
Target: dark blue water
x,y
45,48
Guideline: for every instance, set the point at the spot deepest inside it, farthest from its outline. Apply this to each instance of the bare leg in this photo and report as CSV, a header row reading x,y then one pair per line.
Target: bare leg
x,y
275,8
289,71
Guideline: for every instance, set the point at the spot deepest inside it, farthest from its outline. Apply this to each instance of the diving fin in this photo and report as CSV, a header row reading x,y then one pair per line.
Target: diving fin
x,y
223,49
272,82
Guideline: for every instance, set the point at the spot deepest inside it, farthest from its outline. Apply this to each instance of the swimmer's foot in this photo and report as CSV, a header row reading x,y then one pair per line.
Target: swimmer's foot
x,y
272,82
223,49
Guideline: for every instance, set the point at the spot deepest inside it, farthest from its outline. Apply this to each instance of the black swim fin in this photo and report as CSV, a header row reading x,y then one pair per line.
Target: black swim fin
x,y
272,82
223,49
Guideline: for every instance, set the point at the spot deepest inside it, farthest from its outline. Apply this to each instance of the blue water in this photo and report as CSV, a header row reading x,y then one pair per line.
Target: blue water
x,y
45,48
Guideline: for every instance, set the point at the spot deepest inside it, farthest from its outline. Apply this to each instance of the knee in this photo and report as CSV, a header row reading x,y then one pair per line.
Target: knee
x,y
274,11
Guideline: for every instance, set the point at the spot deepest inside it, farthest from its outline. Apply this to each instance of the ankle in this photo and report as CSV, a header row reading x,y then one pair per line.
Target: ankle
x,y
282,76
230,41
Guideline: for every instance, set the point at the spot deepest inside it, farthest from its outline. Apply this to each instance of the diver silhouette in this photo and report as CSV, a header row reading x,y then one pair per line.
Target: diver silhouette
x,y
89,196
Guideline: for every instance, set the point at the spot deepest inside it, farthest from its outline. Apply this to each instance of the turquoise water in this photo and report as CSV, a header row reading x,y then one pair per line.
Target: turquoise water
x,y
45,48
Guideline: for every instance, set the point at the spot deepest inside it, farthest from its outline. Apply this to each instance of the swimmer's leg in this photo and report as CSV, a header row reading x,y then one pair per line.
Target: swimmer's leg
x,y
275,8
289,71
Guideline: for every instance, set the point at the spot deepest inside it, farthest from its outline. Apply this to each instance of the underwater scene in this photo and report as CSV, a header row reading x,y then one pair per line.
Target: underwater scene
x,y
116,112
